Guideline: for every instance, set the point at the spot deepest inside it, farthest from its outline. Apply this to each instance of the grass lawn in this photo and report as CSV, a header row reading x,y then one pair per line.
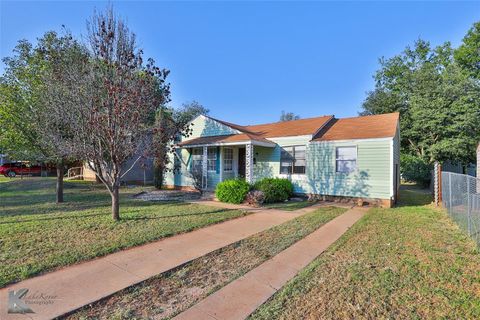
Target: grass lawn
x,y
36,235
4,179
289,205
409,262
170,293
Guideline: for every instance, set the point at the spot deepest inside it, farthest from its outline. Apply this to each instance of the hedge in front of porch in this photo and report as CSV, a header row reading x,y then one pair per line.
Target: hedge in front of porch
x,y
232,190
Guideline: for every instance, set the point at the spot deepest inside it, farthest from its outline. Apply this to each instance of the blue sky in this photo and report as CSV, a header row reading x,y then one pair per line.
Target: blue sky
x,y
247,61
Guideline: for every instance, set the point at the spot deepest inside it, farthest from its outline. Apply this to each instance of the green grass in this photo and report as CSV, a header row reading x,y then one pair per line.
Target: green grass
x,y
172,292
37,235
4,179
289,205
409,262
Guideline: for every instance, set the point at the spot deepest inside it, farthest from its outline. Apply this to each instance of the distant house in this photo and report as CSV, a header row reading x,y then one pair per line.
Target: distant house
x,y
352,157
3,159
140,173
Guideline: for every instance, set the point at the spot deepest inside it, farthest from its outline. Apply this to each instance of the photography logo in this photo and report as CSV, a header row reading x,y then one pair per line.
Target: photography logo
x,y
16,303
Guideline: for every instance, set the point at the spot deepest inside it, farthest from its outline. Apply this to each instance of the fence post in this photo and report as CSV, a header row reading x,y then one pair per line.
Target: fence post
x,y
468,206
450,191
435,183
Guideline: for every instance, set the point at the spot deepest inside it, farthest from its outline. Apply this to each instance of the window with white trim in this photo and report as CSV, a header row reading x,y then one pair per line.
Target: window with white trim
x,y
346,159
228,159
212,159
197,159
292,160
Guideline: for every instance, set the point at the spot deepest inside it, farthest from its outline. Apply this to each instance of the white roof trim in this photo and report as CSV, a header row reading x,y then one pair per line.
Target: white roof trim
x,y
305,136
240,143
354,140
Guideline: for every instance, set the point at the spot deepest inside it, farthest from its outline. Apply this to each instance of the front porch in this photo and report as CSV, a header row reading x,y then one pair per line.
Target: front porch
x,y
217,162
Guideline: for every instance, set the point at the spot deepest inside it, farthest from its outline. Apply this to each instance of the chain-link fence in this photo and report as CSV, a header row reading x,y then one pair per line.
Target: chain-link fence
x,y
461,198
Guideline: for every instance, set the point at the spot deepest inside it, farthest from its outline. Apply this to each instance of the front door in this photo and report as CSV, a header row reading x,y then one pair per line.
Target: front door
x,y
241,162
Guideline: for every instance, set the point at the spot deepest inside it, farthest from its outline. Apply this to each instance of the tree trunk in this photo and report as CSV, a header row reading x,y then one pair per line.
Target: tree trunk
x,y
59,187
115,203
158,172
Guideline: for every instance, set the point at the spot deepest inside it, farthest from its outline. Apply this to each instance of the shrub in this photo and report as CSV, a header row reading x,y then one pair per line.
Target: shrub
x,y
415,169
275,189
232,191
255,198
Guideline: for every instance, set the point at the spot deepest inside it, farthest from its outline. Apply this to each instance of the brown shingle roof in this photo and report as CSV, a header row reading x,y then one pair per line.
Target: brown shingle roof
x,y
365,127
325,128
289,128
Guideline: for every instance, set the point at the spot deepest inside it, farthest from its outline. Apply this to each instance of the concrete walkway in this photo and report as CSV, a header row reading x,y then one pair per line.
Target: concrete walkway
x,y
75,286
241,297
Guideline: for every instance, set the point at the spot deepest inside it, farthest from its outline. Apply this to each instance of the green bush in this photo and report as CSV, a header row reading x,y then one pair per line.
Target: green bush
x,y
415,169
232,191
275,189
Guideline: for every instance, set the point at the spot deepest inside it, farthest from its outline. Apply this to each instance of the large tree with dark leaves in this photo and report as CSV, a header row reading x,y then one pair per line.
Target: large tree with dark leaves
x,y
439,103
121,96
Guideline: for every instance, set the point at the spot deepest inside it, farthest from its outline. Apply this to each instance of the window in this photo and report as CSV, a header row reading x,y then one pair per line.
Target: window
x,y
292,160
227,159
346,159
197,157
212,159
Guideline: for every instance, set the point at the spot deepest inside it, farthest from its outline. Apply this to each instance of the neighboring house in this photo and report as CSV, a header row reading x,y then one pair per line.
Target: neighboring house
x,y
355,157
3,159
140,173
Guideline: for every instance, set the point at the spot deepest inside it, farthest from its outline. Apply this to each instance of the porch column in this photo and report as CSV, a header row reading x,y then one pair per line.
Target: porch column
x,y
204,167
249,163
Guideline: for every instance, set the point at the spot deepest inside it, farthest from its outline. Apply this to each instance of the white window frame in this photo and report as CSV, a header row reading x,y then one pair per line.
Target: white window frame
x,y
355,159
214,159
196,157
294,159
225,159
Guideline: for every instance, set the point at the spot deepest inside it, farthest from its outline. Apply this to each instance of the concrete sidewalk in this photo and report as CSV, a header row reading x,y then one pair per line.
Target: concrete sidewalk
x,y
241,297
75,286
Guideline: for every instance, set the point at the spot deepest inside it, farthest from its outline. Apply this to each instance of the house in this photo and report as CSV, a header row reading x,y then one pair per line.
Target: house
x,y
351,157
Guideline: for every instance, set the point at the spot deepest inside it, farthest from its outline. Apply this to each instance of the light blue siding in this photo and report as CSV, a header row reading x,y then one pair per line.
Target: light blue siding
x,y
373,177
204,127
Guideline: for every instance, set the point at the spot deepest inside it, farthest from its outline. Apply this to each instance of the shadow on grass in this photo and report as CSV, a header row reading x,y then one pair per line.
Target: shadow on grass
x,y
177,215
413,195
37,196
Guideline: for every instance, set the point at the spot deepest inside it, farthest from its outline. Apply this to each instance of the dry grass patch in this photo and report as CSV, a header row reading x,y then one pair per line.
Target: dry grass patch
x,y
37,235
170,293
409,262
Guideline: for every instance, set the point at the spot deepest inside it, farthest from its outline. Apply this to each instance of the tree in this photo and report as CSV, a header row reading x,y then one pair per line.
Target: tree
x,y
170,124
121,97
66,59
35,105
437,101
288,116
468,53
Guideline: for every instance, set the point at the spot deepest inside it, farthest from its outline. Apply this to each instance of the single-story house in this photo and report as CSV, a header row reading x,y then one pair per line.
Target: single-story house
x,y
356,157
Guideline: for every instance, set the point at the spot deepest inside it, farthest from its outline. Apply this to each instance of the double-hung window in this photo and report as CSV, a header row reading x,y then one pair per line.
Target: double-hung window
x,y
197,159
292,160
212,159
227,159
346,159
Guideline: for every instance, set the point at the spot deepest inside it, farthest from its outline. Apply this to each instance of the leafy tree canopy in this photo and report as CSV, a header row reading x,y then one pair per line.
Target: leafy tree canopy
x,y
468,54
438,101
288,116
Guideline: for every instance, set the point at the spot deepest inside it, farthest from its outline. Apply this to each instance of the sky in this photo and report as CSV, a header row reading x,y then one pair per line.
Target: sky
x,y
248,61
